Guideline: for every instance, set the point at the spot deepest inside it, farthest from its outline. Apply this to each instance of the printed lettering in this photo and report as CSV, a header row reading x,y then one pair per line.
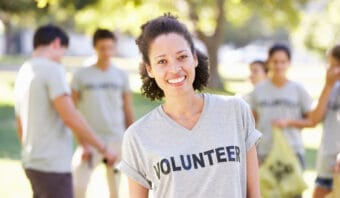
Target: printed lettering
x,y
220,153
165,170
208,153
198,160
184,165
237,150
173,163
231,153
157,170
187,162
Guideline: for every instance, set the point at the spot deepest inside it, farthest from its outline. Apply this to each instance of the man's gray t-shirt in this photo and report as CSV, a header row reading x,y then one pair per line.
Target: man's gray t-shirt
x,y
207,161
101,99
47,142
270,102
330,144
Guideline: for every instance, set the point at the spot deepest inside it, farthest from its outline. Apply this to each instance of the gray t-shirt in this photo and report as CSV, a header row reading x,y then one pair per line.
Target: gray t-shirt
x,y
330,144
47,142
101,99
270,102
207,161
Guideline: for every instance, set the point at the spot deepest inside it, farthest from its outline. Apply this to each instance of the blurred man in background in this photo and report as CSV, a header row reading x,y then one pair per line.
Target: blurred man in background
x,y
44,109
103,96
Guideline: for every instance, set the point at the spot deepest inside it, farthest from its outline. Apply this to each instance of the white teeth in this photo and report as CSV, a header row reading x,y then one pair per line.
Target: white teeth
x,y
176,80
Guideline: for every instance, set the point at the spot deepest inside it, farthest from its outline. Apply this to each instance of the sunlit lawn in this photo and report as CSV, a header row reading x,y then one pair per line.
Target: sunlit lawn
x,y
14,183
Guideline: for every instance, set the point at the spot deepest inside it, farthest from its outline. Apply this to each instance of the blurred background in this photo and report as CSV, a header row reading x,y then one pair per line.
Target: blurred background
x,y
232,32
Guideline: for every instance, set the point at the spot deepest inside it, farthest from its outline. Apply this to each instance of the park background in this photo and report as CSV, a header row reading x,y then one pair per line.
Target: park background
x,y
232,32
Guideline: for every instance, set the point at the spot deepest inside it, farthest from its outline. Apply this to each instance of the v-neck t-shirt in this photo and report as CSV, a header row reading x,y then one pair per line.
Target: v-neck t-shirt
x,y
207,161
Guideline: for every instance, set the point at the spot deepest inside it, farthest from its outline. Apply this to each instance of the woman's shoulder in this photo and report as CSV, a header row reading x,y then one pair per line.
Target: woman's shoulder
x,y
295,84
228,101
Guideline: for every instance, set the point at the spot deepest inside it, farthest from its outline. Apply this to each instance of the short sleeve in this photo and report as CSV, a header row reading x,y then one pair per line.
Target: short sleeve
x,y
75,82
305,100
252,136
56,83
132,160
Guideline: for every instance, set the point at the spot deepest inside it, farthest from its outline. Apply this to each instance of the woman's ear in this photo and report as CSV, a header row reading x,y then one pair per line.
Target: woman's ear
x,y
149,70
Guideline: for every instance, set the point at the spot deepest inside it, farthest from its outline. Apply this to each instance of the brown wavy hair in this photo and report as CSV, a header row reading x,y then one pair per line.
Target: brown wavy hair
x,y
335,52
150,31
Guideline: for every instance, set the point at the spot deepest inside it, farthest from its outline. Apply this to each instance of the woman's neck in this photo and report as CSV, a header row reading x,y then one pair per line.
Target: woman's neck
x,y
186,105
279,81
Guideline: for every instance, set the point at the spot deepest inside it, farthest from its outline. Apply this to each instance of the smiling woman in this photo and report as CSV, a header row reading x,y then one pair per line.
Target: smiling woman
x,y
181,148
178,40
173,64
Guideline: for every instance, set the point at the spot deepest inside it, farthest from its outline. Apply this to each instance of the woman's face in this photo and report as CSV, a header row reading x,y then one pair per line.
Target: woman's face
x,y
172,64
257,73
278,63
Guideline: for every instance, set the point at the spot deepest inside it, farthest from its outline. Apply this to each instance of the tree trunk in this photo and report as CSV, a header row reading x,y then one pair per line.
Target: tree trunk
x,y
8,31
12,35
215,79
211,42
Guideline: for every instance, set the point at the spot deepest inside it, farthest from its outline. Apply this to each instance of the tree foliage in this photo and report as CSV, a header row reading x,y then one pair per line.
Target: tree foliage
x,y
208,19
321,26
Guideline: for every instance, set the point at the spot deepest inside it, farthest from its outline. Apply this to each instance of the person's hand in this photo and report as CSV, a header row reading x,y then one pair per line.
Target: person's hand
x,y
337,164
110,157
86,153
333,75
280,123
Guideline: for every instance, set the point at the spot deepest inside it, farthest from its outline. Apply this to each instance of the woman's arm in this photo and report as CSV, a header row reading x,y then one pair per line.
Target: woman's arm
x,y
314,117
136,190
253,187
255,115
332,76
19,129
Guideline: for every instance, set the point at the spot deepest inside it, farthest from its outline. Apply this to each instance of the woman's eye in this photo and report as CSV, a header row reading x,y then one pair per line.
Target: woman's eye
x,y
182,57
161,61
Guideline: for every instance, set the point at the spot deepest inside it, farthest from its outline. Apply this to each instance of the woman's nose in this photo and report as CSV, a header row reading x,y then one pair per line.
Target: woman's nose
x,y
175,66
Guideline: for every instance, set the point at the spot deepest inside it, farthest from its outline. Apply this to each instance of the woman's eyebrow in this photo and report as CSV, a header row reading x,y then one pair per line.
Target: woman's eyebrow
x,y
163,55
181,51
160,56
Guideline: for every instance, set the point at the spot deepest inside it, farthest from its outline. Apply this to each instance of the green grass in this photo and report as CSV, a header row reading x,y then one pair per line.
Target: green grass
x,y
12,59
142,105
9,144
